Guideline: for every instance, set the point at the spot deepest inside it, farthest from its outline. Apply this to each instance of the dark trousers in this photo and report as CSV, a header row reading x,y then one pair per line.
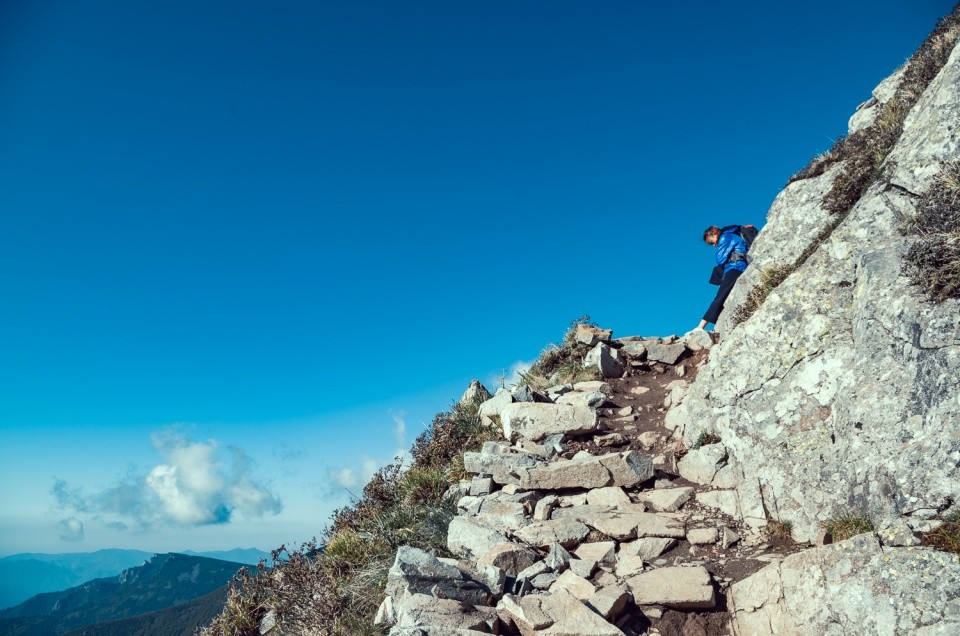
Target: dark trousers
x,y
713,312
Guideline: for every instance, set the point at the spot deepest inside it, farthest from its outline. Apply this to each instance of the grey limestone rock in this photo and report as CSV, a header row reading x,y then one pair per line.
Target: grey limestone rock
x,y
537,420
509,557
700,465
676,587
502,467
417,572
667,499
606,360
852,376
468,538
852,587
625,469
424,610
567,533
666,353
591,336
475,392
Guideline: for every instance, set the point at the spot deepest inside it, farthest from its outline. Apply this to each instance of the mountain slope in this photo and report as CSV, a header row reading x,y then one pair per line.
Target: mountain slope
x,y
164,581
29,573
179,620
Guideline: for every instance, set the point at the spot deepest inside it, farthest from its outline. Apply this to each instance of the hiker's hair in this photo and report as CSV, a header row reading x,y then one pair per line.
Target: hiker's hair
x,y
710,231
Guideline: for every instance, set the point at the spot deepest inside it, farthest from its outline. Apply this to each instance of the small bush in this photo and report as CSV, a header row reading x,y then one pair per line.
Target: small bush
x,y
561,358
779,529
946,537
933,261
847,525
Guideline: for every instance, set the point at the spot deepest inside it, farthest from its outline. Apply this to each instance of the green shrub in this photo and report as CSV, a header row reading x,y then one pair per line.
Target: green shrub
x,y
779,529
847,525
561,358
933,261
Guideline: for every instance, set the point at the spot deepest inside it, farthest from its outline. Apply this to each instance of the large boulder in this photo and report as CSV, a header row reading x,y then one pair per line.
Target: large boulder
x,y
469,538
853,587
502,467
417,572
840,391
625,469
606,360
537,420
676,587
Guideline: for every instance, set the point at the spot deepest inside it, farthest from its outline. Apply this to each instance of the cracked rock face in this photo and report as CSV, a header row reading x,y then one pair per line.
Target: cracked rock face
x,y
842,391
857,584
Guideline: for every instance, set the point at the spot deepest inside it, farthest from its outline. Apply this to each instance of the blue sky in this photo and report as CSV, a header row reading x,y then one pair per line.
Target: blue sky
x,y
249,249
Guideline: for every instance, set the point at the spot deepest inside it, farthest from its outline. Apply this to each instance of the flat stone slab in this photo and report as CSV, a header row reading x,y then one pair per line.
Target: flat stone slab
x,y
502,467
509,557
667,353
573,618
566,532
667,499
537,420
703,536
676,587
622,525
616,469
468,538
648,548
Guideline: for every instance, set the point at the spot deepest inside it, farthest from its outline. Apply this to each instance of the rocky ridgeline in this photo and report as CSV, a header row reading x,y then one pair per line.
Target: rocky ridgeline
x,y
833,394
583,520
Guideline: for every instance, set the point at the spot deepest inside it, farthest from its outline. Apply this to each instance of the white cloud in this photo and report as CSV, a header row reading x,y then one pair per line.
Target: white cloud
x,y
510,377
196,484
355,476
71,529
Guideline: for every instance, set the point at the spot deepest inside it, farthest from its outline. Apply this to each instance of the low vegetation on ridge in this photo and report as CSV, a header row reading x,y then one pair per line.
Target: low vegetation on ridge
x,y
933,261
862,154
334,586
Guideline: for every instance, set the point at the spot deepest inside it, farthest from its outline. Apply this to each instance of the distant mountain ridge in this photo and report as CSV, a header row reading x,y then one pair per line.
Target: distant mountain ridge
x,y
163,581
26,574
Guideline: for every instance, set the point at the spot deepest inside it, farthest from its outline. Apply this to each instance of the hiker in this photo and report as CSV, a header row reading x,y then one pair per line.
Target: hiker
x,y
731,262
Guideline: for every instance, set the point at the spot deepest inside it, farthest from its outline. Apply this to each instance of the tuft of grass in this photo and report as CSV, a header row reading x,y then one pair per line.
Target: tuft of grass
x,y
933,261
705,439
556,360
770,279
779,529
847,525
946,537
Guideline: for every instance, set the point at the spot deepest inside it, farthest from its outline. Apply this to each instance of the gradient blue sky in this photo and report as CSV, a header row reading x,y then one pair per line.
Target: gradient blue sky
x,y
249,249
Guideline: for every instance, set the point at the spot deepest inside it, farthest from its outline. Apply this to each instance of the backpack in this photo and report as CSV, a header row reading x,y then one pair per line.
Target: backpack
x,y
748,233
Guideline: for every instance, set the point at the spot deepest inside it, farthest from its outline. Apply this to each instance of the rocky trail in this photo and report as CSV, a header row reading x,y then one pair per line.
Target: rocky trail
x,y
590,517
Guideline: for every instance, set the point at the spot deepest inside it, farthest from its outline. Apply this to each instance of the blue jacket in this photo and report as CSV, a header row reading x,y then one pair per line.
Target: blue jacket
x,y
728,243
